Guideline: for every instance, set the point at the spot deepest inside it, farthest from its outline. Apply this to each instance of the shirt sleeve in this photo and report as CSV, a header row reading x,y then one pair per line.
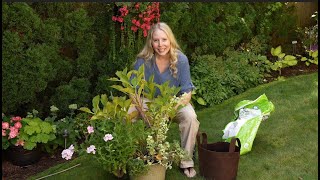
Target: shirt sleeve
x,y
184,76
138,63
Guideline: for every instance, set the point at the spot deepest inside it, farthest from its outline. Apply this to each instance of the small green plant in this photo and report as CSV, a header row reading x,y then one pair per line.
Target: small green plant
x,y
283,60
66,131
312,58
35,131
309,35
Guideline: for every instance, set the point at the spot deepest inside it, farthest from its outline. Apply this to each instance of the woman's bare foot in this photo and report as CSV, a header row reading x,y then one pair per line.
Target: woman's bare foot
x,y
189,172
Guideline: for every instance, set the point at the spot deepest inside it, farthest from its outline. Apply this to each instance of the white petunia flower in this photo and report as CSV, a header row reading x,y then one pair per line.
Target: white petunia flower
x,y
91,149
107,137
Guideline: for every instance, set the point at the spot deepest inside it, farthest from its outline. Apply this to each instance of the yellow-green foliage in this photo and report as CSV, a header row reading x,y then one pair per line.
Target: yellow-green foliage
x,y
35,131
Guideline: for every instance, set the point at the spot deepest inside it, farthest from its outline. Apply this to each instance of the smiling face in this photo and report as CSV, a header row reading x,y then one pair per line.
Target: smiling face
x,y
160,42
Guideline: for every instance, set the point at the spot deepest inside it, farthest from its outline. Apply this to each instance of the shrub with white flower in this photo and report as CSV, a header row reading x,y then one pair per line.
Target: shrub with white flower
x,y
111,139
90,129
91,149
107,137
67,153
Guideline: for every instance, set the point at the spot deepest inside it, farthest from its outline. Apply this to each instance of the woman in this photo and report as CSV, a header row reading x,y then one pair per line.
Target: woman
x,y
163,58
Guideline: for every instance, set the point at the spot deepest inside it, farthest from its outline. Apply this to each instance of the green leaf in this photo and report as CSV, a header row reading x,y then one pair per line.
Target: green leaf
x,y
123,76
43,138
281,55
46,127
292,63
303,59
95,103
276,52
85,109
29,145
104,99
314,54
289,58
113,79
127,90
201,101
32,129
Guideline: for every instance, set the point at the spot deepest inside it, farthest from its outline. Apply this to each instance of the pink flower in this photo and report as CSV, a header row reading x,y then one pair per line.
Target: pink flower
x,y
4,132
90,129
120,19
71,147
122,27
114,18
137,23
19,143
134,28
16,118
13,132
137,6
91,149
107,137
5,125
18,125
124,11
67,153
148,27
145,33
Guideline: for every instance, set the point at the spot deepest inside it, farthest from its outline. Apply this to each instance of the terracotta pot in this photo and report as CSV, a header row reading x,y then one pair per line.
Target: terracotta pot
x,y
155,172
22,157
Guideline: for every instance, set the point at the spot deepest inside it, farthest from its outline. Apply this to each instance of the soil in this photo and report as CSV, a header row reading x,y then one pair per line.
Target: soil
x,y
12,172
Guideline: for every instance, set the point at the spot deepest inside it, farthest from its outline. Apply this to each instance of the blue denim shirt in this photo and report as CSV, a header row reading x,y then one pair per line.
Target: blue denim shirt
x,y
183,79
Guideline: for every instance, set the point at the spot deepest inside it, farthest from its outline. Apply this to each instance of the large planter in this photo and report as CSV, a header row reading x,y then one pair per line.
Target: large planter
x,y
219,160
22,157
155,172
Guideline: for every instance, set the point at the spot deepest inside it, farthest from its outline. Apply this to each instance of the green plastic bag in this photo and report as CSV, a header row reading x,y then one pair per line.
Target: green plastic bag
x,y
249,115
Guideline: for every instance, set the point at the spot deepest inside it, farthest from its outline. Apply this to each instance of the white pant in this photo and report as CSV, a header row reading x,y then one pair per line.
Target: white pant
x,y
188,126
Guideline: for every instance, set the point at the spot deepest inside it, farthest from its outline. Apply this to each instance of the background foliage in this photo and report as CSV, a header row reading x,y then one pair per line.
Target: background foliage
x,y
59,53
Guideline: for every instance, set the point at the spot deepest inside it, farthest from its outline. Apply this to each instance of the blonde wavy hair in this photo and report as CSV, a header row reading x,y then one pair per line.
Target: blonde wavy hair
x,y
148,52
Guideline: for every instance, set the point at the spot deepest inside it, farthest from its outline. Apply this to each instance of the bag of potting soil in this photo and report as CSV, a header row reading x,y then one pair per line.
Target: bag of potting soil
x,y
249,115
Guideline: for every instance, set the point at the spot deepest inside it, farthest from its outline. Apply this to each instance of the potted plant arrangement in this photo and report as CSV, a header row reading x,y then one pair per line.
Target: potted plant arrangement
x,y
124,143
158,154
21,137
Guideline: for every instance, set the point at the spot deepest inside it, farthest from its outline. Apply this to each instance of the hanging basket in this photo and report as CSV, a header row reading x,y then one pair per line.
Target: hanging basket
x,y
218,161
22,157
155,172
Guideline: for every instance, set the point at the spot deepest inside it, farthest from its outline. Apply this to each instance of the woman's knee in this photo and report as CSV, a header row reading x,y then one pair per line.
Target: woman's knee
x,y
187,114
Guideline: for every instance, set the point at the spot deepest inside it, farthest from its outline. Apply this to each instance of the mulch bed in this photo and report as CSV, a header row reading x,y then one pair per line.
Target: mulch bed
x,y
12,172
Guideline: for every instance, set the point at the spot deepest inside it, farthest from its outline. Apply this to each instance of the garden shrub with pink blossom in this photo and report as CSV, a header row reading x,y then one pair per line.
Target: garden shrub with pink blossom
x,y
11,127
28,132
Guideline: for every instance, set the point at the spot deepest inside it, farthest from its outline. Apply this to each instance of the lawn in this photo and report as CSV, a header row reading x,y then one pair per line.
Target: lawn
x,y
285,147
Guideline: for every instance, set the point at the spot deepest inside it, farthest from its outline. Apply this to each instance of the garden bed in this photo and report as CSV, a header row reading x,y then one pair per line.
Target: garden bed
x,y
12,172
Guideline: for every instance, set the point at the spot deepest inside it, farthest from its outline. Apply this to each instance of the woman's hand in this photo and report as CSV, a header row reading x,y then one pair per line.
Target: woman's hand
x,y
185,100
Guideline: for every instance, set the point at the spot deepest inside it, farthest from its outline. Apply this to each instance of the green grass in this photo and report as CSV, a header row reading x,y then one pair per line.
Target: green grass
x,y
285,147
